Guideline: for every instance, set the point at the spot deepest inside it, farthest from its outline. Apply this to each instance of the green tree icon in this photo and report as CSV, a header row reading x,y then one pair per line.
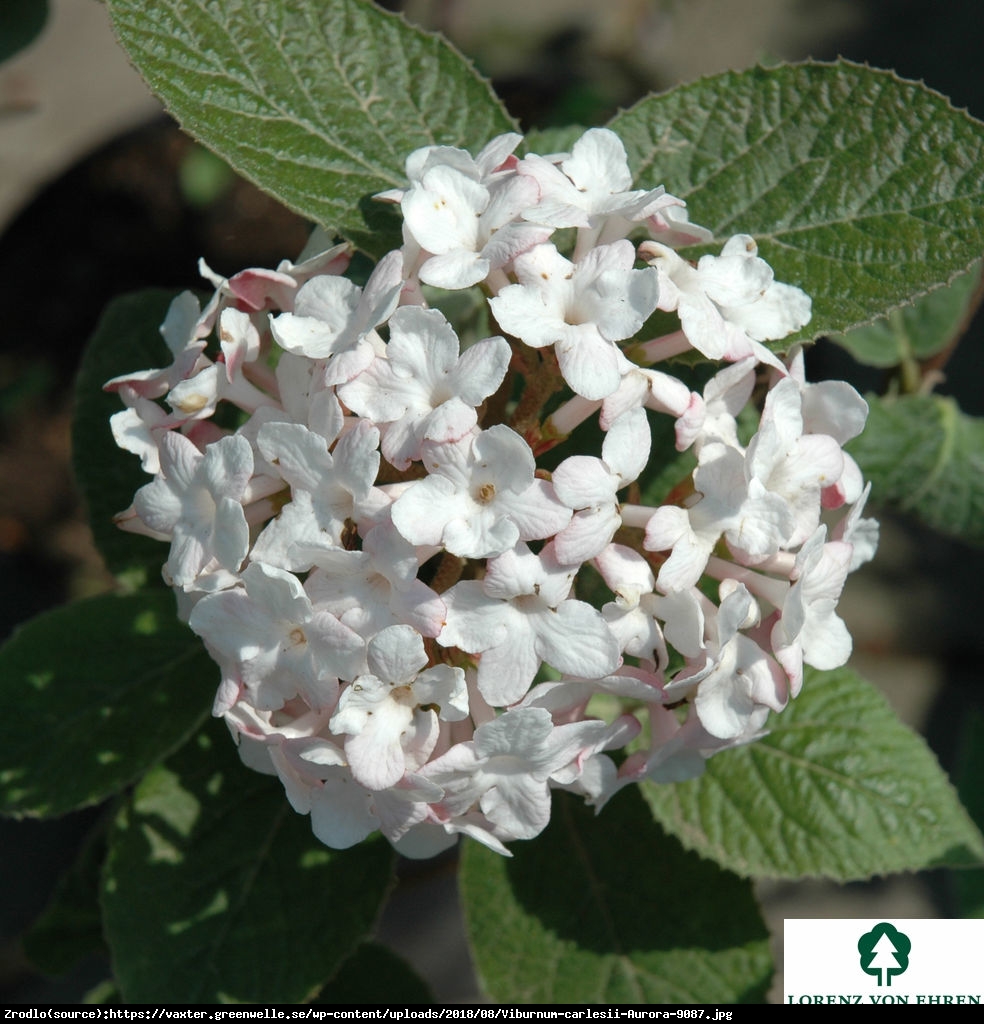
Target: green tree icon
x,y
884,952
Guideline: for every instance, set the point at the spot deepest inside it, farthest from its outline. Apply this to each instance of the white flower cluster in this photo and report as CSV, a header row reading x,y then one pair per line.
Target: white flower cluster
x,y
361,534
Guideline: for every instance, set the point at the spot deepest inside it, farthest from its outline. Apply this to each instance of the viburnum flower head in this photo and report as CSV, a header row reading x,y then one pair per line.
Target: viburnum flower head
x,y
455,534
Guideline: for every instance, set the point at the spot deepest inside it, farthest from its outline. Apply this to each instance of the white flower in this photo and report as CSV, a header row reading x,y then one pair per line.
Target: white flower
x,y
335,320
753,519
669,223
790,464
389,715
590,486
372,588
199,393
468,228
592,190
632,615
834,408
581,309
184,335
440,831
196,501
138,427
810,629
421,389
275,641
520,615
860,533
725,395
480,497
728,304
507,766
327,488
257,289
343,811
736,682
492,162
654,390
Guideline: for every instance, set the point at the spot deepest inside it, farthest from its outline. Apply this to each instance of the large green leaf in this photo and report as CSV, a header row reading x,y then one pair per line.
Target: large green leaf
x,y
861,188
930,325
838,788
127,339
316,101
96,692
925,457
610,909
215,890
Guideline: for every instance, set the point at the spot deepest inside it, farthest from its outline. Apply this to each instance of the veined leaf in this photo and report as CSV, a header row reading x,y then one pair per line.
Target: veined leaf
x,y
97,692
216,891
930,325
861,188
318,102
839,788
925,457
628,916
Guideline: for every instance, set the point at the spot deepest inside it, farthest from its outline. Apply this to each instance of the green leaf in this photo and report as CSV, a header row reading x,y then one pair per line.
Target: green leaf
x,y
839,788
21,22
216,891
861,188
126,339
318,102
609,909
375,974
969,885
930,325
925,457
96,692
70,927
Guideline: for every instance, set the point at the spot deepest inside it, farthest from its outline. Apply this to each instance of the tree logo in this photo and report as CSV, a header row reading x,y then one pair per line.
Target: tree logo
x,y
884,952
